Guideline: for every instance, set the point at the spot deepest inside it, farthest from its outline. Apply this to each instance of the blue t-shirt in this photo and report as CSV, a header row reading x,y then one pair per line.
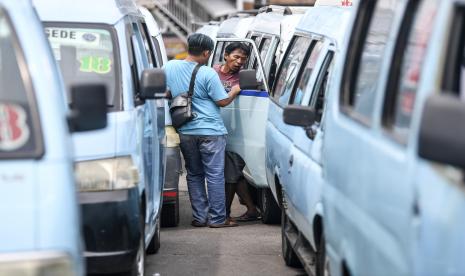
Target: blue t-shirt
x,y
208,89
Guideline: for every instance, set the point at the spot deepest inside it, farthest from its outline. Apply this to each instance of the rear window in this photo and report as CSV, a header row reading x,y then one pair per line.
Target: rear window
x,y
87,55
20,135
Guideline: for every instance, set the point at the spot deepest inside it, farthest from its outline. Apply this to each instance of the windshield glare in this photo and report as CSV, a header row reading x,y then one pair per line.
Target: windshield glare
x,y
86,55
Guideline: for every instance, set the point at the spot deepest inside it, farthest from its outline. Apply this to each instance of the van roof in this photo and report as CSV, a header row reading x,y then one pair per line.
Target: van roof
x,y
328,21
86,11
284,10
275,23
235,27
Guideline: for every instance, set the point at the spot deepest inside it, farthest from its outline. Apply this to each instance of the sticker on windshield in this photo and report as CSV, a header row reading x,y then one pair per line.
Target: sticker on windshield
x,y
94,64
14,132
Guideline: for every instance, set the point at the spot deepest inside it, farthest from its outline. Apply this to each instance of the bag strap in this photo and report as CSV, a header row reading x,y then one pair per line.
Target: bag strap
x,y
191,85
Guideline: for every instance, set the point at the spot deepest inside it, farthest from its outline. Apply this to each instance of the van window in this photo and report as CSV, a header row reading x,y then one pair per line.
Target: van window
x,y
159,56
252,64
289,69
144,51
317,100
405,71
454,73
304,78
148,45
371,32
86,55
20,135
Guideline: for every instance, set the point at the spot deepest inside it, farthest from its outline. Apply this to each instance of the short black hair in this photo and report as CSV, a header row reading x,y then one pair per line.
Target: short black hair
x,y
197,43
237,45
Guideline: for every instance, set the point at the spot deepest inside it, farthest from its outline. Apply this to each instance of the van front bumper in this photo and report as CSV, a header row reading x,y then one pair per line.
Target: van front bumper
x,y
111,225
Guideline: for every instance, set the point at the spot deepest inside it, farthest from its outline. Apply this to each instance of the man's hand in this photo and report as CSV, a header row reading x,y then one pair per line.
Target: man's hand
x,y
235,90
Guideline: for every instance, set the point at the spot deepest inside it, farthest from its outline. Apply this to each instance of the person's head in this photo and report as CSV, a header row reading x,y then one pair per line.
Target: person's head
x,y
200,46
236,55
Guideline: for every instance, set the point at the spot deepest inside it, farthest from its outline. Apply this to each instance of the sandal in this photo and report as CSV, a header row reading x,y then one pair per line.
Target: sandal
x,y
227,223
246,217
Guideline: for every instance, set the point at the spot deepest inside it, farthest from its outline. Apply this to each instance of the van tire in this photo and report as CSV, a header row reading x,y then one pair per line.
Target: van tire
x,y
289,255
271,213
154,244
170,214
321,258
138,267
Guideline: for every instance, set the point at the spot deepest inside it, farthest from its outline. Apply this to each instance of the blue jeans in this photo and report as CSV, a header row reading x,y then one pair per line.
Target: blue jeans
x,y
204,158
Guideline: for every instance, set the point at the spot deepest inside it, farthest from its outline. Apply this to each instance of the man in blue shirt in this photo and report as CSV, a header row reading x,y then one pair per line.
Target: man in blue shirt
x,y
203,140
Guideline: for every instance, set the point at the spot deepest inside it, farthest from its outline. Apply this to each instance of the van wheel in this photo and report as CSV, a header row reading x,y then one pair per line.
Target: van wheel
x,y
289,256
322,260
154,244
271,213
170,214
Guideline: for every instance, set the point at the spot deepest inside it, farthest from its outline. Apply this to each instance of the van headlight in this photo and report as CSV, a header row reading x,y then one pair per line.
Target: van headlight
x,y
36,263
106,174
172,137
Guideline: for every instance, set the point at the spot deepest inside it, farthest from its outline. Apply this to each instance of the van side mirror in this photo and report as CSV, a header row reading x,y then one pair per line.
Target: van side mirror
x,y
88,107
297,115
248,80
153,84
442,133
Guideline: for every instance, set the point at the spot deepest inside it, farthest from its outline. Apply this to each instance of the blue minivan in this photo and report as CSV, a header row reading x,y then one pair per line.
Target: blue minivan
x,y
118,169
268,33
394,147
294,152
39,209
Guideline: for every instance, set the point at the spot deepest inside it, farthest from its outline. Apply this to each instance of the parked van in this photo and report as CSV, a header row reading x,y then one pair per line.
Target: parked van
x,y
120,178
394,142
40,233
271,30
294,152
245,118
170,153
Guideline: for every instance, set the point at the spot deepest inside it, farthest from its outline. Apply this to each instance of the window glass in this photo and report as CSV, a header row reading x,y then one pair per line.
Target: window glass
x,y
289,69
303,83
317,100
19,129
159,56
409,74
373,51
86,55
235,77
148,46
219,53
140,45
252,64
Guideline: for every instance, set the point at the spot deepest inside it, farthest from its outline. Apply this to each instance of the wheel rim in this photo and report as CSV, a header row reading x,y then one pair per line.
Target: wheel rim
x,y
140,260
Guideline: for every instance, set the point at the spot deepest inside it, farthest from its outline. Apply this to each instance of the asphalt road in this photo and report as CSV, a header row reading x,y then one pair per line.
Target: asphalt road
x,y
250,249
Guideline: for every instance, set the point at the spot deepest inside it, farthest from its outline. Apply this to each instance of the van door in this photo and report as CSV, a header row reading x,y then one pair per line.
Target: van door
x,y
369,172
144,117
305,180
245,119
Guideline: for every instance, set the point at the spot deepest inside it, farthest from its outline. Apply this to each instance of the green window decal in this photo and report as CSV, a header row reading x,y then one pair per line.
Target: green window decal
x,y
94,64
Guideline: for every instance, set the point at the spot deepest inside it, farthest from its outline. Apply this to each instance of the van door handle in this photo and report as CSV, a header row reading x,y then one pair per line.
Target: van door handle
x,y
291,161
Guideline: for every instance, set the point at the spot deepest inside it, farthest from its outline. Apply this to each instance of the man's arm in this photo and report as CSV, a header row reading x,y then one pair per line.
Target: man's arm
x,y
235,90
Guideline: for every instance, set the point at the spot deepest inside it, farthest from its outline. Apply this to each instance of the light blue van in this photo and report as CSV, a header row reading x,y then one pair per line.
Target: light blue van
x,y
40,233
269,33
394,142
118,169
294,153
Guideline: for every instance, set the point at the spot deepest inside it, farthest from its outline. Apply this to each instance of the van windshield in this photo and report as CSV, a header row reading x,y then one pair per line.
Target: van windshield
x,y
86,55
